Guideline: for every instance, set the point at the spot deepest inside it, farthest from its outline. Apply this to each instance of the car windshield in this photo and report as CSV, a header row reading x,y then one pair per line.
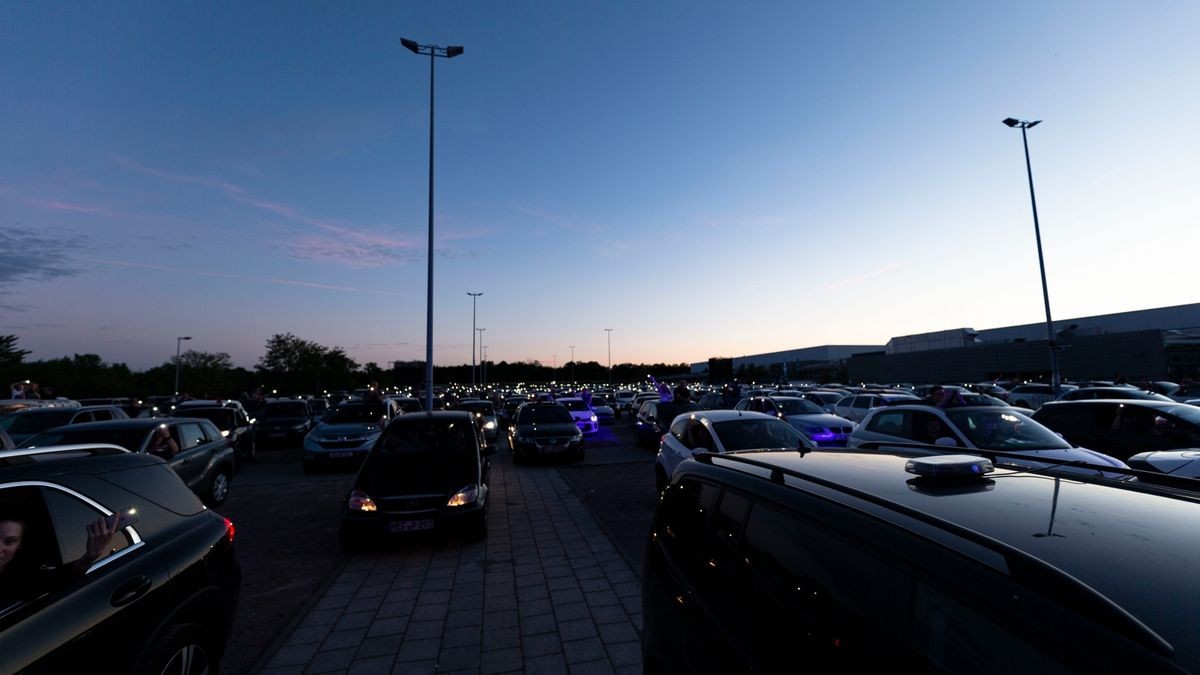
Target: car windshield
x,y
545,414
221,417
1190,413
285,410
424,439
130,439
409,405
752,433
797,406
480,408
31,423
355,413
1004,430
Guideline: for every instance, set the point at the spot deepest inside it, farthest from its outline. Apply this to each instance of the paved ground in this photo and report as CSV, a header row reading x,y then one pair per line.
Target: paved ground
x,y
547,592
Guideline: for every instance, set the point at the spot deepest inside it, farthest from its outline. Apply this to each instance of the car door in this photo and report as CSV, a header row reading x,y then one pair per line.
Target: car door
x,y
74,620
192,457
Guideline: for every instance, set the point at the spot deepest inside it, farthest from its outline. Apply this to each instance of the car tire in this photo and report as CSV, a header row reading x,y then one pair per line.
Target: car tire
x,y
477,529
188,649
350,543
218,488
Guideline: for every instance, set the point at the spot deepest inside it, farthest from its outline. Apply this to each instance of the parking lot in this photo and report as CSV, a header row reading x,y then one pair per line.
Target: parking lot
x,y
553,588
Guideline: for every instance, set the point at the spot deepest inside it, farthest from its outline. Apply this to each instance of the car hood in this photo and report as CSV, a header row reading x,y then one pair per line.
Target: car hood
x,y
819,421
346,429
384,475
547,429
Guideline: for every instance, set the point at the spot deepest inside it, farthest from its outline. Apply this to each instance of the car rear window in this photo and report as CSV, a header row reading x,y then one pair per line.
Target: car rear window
x,y
33,422
158,483
285,410
545,414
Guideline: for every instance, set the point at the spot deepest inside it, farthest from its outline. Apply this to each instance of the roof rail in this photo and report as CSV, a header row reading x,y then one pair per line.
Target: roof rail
x,y
23,455
1028,569
1190,485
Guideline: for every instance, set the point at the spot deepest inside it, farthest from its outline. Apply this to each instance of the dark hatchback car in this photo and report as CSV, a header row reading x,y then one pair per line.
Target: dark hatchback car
x,y
544,430
233,425
283,423
1123,428
161,597
839,562
32,421
205,459
427,472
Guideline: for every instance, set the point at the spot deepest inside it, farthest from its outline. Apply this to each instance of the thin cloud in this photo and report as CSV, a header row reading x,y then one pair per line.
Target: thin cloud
x,y
242,277
328,249
243,196
863,277
561,221
36,255
55,205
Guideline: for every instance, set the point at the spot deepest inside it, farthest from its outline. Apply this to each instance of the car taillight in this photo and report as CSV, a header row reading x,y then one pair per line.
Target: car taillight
x,y
230,530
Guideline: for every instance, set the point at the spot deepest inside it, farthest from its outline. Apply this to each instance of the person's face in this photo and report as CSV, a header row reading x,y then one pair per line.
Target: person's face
x,y
11,534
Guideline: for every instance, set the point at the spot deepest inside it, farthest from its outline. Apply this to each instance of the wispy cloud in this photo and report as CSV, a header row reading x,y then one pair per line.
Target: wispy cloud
x,y
329,249
559,220
55,205
36,255
863,277
242,196
243,277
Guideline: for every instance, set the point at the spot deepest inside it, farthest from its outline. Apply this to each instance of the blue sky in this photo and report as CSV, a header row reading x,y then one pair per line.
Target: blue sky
x,y
705,178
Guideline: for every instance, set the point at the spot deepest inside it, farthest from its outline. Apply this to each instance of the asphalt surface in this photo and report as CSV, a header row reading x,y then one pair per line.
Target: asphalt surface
x,y
287,524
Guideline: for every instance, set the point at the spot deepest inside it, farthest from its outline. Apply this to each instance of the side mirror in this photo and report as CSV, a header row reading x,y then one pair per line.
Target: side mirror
x,y
699,449
947,442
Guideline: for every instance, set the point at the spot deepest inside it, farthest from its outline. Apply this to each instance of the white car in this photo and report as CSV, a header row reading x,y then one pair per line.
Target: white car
x,y
722,431
585,418
1033,395
856,407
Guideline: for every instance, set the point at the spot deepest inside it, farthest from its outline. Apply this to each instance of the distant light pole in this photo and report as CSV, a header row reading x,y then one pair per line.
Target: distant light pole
x,y
1055,376
572,363
448,53
473,297
483,366
609,331
178,342
481,371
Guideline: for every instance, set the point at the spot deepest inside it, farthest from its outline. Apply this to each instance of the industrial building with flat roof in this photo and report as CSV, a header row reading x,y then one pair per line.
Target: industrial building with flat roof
x,y
1148,344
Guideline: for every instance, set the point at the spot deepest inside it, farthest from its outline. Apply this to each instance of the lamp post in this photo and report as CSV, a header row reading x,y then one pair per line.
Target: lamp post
x,y
447,53
1055,376
572,364
483,366
480,331
609,331
473,297
178,342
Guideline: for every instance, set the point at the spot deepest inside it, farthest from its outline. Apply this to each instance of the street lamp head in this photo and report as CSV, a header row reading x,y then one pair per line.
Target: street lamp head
x,y
411,45
454,51
1011,122
189,337
1030,125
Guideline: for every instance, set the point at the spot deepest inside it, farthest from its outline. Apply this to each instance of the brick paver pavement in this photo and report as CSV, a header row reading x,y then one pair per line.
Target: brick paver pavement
x,y
547,592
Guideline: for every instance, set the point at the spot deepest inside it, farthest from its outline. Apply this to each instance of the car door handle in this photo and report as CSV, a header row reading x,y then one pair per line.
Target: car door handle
x,y
130,590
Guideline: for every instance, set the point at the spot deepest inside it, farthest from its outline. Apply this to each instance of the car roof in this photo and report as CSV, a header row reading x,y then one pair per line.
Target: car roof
x,y
146,423
1136,530
1143,402
725,415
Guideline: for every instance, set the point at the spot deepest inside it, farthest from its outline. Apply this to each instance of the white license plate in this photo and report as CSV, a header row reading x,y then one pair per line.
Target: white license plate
x,y
409,525
341,454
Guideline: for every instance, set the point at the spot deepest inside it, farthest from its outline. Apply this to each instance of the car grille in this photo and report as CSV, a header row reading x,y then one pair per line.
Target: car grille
x,y
554,441
406,503
340,444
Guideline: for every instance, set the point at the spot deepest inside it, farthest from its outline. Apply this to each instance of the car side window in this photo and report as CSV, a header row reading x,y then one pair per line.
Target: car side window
x,y
679,430
190,435
700,436
101,415
862,402
892,423
71,518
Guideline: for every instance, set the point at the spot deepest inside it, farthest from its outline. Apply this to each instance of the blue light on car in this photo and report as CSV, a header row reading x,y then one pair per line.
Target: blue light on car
x,y
949,466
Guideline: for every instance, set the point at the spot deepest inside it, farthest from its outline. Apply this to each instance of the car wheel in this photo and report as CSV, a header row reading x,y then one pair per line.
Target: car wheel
x,y
218,488
186,649
350,543
478,528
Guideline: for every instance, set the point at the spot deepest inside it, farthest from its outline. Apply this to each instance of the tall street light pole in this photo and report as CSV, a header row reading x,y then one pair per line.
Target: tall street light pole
x,y
483,366
178,342
473,297
1055,376
609,331
572,364
446,53
480,331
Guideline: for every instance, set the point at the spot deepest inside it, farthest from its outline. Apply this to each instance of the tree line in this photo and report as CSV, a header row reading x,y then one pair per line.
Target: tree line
x,y
289,366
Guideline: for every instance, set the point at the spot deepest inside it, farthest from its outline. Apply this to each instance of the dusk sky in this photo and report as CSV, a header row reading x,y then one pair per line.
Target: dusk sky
x,y
705,178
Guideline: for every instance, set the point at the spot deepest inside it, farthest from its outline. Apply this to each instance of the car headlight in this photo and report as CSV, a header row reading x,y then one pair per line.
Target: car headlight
x,y
593,417
578,436
297,427
491,424
465,496
360,501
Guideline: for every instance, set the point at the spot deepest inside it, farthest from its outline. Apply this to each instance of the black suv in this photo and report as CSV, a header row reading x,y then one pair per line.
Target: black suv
x,y
544,429
160,594
1123,428
427,472
845,562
